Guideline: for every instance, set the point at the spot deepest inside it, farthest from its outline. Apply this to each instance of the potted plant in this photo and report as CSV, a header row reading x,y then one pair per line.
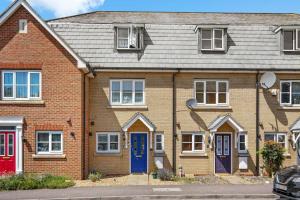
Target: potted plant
x,y
155,172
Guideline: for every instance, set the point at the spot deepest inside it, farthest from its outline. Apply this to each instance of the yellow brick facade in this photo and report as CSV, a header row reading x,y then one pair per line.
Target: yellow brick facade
x,y
159,95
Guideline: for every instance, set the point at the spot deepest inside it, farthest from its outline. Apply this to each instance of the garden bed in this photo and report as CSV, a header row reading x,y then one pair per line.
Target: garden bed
x,y
30,182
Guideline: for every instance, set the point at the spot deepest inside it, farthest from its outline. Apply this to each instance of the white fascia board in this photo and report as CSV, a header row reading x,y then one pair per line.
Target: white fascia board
x,y
81,64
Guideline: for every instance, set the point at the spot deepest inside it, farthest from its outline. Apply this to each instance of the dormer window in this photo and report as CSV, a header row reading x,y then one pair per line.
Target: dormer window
x,y
212,39
23,26
291,40
129,38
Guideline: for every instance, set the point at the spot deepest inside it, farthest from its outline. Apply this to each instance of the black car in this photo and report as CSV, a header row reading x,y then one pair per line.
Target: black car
x,y
287,182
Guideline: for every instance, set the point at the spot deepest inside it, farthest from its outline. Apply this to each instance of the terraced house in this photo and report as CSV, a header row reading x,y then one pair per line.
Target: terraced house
x,y
121,92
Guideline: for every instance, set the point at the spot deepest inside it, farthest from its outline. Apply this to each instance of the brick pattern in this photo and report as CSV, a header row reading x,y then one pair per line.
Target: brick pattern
x,y
62,92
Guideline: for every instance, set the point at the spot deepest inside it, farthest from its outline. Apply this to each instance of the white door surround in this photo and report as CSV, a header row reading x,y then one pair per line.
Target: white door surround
x,y
17,122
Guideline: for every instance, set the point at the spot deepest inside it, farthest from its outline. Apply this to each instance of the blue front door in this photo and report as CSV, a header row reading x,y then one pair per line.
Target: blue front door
x,y
139,150
223,153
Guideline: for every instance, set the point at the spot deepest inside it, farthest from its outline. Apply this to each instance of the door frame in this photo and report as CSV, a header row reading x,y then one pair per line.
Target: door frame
x,y
147,136
6,134
231,152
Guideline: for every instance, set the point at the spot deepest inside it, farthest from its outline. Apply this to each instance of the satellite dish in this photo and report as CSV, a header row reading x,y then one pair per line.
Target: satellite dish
x,y
267,80
191,103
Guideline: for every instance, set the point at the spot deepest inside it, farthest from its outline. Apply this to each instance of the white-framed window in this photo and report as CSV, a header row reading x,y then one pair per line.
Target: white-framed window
x,y
211,92
291,39
129,38
49,142
21,85
290,92
127,92
159,142
212,39
193,142
107,142
280,138
23,27
2,144
242,143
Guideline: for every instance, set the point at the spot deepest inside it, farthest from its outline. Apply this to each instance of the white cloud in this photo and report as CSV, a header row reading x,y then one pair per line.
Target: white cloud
x,y
61,8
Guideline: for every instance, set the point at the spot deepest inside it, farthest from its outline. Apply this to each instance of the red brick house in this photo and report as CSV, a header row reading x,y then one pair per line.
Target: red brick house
x,y
42,108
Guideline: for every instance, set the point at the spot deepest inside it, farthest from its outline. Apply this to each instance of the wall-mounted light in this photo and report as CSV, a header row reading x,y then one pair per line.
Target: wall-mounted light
x,y
72,134
69,121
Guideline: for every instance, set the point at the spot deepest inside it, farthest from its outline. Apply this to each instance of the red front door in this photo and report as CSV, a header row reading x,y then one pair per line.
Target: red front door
x,y
7,153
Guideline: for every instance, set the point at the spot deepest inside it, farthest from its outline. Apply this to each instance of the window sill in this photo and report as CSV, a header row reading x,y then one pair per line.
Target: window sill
x,y
129,49
193,155
204,107
128,107
107,154
289,108
22,102
48,156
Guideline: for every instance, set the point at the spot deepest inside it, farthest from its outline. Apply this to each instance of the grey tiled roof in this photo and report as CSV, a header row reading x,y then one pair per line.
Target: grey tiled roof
x,y
106,17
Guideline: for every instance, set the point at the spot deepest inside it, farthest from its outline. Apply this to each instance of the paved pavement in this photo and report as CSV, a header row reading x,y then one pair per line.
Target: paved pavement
x,y
148,192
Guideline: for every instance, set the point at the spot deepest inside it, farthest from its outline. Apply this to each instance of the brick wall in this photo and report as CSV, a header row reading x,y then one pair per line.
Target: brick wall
x,y
62,93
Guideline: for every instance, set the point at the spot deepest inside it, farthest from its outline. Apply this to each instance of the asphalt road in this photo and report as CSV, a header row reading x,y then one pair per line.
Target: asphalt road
x,y
148,192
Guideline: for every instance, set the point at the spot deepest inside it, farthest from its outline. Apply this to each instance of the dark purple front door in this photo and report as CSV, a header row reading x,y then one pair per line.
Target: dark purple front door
x,y
223,153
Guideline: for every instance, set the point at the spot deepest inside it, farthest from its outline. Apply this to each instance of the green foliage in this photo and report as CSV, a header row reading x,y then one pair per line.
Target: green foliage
x,y
165,175
30,182
273,157
95,176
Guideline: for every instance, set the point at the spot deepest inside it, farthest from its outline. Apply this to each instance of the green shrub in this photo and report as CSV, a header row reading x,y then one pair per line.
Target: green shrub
x,y
29,182
273,157
95,176
165,175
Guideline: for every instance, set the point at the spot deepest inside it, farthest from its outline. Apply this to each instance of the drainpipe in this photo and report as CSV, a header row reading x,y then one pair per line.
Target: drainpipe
x,y
174,121
257,123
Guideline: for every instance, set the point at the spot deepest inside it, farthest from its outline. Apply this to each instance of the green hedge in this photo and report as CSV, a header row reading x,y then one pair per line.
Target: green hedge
x,y
29,182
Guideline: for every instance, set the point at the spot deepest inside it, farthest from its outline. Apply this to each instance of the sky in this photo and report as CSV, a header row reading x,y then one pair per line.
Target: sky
x,y
49,9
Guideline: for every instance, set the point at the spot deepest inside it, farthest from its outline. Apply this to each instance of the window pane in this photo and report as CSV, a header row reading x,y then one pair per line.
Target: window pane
x,y
199,86
10,145
296,87
22,78
281,138
159,146
285,98
139,86
187,138
206,34
123,32
115,86
211,98
285,87
211,86
298,42
200,97
158,138
43,137
295,98
123,43
8,91
127,92
219,145
198,138
34,91
139,98
114,138
206,44
269,137
288,40
56,137
114,146
222,87
102,147
218,34
102,138
116,97
56,147
218,44
43,147
21,91
2,147
34,78
242,138
198,146
222,98
186,146
226,145
8,78
242,146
